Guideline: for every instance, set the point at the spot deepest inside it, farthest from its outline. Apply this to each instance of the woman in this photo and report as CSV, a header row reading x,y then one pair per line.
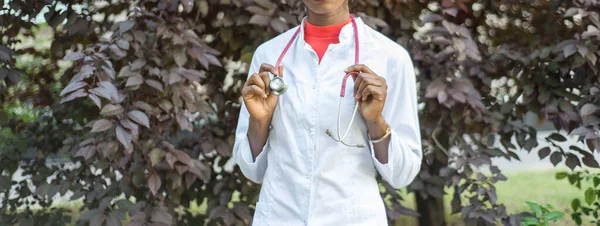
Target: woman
x,y
310,176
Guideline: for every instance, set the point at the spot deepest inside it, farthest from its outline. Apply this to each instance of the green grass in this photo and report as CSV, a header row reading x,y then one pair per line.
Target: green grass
x,y
540,187
535,186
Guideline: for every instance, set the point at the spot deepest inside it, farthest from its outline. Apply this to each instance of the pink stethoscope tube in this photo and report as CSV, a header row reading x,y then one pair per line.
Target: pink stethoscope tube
x,y
342,91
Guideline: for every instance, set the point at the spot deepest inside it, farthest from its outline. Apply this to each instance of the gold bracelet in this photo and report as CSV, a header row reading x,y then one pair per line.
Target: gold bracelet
x,y
388,131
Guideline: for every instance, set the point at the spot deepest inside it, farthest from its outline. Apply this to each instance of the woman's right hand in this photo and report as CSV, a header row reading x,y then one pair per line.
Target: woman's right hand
x,y
258,98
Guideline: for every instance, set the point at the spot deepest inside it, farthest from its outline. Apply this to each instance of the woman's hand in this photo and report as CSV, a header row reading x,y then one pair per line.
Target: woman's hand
x,y
258,98
370,90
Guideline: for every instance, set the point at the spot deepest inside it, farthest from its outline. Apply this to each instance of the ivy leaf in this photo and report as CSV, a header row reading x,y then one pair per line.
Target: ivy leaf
x,y
134,81
590,196
555,215
278,25
590,161
530,221
259,20
96,100
156,155
154,183
192,75
72,87
171,159
89,214
72,56
124,138
544,152
537,209
160,214
561,175
432,17
154,84
557,137
555,158
112,109
137,64
77,94
139,219
126,26
123,44
187,5
101,125
575,204
180,57
139,117
587,110
572,161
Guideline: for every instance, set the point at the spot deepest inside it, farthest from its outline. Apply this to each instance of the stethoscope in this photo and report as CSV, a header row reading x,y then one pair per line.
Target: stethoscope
x,y
278,86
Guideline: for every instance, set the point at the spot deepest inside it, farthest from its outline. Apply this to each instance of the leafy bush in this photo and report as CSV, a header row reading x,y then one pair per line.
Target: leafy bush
x,y
590,206
543,215
146,111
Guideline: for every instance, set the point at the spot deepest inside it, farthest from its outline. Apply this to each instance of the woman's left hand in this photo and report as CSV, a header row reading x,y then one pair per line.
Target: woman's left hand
x,y
370,90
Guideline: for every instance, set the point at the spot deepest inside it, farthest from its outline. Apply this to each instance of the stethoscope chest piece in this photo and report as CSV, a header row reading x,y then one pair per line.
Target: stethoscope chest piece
x,y
278,85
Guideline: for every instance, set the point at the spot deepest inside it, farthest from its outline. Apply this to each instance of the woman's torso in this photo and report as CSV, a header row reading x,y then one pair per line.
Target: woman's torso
x,y
311,178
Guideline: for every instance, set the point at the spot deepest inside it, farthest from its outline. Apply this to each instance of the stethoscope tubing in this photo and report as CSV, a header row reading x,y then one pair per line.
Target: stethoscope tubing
x,y
343,89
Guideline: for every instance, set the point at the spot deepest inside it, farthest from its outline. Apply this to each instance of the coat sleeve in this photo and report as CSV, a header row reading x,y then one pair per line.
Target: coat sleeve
x,y
400,111
253,169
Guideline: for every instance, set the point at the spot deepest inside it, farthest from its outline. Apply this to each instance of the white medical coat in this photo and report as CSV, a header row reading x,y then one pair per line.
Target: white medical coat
x,y
308,178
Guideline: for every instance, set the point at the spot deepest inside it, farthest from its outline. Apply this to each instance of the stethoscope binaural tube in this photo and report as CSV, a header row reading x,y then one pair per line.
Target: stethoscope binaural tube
x,y
278,85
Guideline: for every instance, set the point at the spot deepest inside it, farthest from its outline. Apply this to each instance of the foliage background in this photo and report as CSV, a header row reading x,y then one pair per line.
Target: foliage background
x,y
142,98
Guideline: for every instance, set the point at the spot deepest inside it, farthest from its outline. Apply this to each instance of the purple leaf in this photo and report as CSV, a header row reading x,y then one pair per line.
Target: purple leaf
x,y
72,56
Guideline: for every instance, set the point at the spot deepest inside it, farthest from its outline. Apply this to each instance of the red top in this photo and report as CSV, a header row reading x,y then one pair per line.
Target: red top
x,y
319,37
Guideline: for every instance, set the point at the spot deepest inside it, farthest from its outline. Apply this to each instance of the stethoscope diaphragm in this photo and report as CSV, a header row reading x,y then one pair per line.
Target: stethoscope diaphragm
x,y
278,85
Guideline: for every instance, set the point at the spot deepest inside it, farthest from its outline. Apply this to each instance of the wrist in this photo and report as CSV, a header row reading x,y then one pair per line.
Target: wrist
x,y
377,121
376,127
261,121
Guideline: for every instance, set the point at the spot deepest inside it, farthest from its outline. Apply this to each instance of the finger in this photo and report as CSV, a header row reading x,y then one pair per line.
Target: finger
x,y
367,81
375,91
269,68
360,79
256,79
357,82
359,68
266,79
253,90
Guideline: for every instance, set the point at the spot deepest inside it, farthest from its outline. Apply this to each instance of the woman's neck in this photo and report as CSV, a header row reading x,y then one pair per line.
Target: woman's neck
x,y
328,19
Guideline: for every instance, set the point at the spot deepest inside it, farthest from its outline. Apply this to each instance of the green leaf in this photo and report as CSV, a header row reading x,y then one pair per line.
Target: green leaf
x,y
555,215
575,204
561,175
530,221
596,181
590,196
537,209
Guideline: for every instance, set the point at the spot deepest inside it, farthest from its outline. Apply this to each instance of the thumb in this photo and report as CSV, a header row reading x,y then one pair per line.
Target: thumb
x,y
272,100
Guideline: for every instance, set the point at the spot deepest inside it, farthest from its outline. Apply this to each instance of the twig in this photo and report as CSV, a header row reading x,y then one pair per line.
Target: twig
x,y
435,133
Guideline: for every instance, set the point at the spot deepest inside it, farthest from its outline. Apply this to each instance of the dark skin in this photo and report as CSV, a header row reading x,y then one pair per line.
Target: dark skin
x,y
370,90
